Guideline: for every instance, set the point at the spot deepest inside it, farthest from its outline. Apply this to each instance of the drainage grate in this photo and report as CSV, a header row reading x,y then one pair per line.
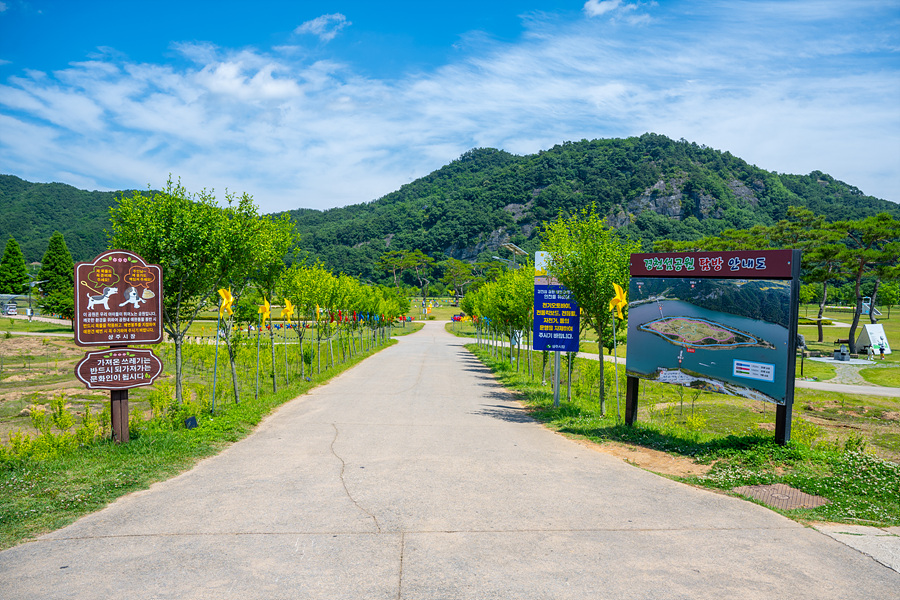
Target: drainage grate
x,y
781,496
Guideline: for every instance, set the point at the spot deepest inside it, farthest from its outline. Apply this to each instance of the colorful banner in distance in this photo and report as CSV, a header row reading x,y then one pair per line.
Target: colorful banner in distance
x,y
556,319
119,368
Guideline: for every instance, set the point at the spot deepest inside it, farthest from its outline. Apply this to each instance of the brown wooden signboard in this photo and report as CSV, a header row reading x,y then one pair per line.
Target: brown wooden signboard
x,y
118,301
118,368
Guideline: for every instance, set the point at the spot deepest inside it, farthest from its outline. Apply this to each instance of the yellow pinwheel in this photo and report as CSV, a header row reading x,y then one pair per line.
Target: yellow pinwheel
x,y
227,301
288,311
264,311
618,300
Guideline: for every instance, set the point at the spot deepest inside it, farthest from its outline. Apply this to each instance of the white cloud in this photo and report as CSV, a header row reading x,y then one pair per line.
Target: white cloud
x,y
297,133
596,8
3,7
325,27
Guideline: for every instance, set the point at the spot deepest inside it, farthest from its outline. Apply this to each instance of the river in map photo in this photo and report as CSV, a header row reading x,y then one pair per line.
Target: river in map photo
x,y
647,351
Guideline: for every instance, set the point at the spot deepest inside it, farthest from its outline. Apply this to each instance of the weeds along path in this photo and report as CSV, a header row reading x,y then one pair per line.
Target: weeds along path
x,y
416,475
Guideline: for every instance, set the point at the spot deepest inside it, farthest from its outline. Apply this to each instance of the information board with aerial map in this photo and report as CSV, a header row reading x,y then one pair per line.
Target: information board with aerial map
x,y
715,321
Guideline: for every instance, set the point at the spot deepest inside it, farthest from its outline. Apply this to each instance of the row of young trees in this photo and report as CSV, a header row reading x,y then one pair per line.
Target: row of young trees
x,y
203,247
587,256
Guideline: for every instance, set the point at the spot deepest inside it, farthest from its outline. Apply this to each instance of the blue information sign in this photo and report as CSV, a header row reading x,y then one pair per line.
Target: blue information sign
x,y
556,319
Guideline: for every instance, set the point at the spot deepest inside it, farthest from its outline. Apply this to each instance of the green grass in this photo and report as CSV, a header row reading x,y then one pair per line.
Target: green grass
x,y
886,374
23,325
41,495
726,433
814,370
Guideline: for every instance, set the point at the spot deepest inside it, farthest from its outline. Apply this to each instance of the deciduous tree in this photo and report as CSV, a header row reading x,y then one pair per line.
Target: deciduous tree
x,y
196,243
587,256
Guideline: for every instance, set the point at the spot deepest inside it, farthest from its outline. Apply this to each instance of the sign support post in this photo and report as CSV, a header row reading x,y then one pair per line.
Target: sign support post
x,y
556,367
119,410
783,411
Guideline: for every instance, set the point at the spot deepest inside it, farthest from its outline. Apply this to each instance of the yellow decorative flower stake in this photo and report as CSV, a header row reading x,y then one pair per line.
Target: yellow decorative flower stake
x,y
617,303
286,313
618,300
225,302
263,311
288,309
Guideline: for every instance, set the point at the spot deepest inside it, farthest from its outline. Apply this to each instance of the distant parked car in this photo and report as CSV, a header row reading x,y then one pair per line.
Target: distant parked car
x,y
12,309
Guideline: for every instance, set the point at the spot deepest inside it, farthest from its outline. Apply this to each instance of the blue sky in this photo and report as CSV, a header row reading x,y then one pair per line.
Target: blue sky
x,y
327,103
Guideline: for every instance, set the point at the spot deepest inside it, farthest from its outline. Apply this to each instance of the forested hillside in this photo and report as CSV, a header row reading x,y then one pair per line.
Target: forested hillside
x,y
31,212
650,186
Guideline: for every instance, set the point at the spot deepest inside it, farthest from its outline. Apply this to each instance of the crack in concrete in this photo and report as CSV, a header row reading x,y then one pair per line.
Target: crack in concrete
x,y
403,532
344,482
400,577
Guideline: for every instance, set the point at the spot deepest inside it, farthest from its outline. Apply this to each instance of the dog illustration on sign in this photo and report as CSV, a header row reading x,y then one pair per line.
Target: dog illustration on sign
x,y
102,298
132,297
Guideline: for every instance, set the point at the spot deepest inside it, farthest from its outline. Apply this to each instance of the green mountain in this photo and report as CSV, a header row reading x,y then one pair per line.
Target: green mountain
x,y
650,186
31,212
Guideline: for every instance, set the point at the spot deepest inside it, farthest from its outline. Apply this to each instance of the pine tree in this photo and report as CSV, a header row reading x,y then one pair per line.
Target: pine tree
x,y
13,272
57,268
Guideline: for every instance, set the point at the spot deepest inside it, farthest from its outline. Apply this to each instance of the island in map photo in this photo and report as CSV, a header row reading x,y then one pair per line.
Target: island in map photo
x,y
696,332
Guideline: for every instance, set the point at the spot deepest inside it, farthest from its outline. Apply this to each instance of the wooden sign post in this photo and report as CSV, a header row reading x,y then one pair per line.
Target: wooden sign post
x,y
118,302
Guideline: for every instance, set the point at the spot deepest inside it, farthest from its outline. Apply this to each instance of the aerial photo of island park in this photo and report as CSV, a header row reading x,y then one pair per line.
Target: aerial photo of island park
x,y
700,333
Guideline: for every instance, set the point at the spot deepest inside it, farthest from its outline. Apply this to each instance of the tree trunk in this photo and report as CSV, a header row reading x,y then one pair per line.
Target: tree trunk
x,y
872,318
272,344
822,310
856,315
232,362
544,368
179,369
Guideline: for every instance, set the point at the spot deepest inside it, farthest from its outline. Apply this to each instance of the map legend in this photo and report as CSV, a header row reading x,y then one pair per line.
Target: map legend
x,y
754,370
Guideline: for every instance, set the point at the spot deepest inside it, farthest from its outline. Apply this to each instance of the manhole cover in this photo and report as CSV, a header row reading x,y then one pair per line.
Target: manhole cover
x,y
781,496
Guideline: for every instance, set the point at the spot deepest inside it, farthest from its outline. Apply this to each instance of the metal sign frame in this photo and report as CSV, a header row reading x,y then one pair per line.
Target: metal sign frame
x,y
743,265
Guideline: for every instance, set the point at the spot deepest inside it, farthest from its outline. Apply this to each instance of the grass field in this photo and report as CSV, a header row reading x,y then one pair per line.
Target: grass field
x,y
844,447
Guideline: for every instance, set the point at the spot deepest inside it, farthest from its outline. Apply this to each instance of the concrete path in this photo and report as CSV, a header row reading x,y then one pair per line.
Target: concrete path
x,y
416,476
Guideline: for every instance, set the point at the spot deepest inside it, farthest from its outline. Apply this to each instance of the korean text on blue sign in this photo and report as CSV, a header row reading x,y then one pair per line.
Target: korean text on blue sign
x,y
556,320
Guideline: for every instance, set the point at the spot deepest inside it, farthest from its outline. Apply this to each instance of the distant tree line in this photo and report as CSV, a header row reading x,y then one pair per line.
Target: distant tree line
x,y
51,285
858,255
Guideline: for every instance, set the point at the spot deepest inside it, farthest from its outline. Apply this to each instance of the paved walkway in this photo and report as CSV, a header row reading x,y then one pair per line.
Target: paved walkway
x,y
413,476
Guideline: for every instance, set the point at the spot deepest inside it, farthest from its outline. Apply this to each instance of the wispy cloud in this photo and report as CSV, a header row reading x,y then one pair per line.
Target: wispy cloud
x,y
597,8
295,132
3,7
325,27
